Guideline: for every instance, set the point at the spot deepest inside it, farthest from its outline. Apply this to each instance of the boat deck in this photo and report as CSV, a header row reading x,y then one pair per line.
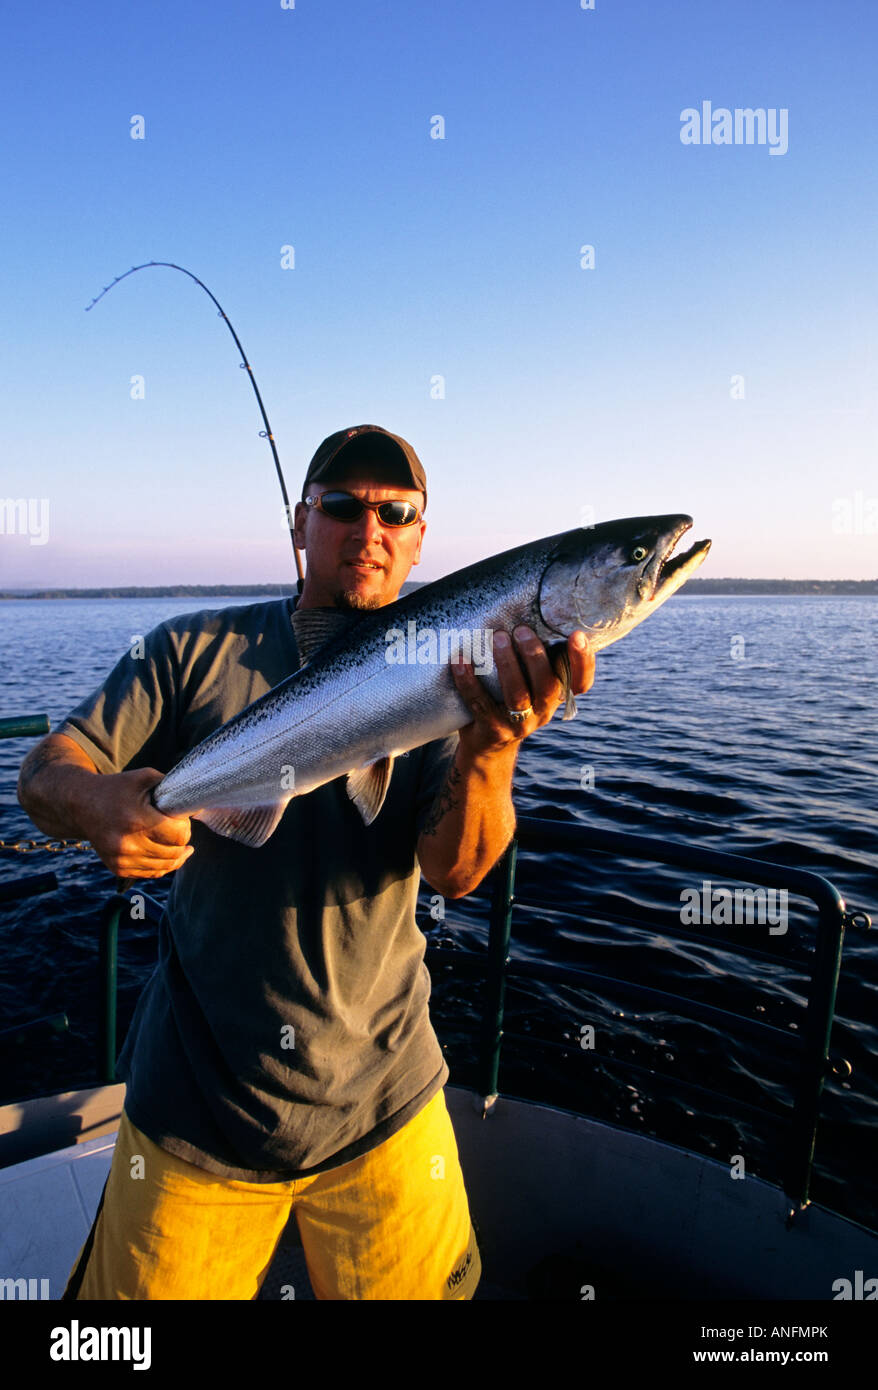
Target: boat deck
x,y
559,1202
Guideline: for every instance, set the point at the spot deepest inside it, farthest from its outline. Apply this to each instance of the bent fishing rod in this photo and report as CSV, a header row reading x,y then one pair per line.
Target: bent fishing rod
x,y
263,434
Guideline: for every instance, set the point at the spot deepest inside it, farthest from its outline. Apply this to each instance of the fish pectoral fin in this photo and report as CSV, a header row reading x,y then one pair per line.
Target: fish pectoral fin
x,y
560,658
367,787
249,825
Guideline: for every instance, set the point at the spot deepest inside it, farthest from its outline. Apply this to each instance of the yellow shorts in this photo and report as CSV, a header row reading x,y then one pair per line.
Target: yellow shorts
x,y
393,1224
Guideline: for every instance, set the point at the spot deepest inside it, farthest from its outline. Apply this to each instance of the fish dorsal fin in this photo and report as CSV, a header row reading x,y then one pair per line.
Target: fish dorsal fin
x,y
367,787
561,665
249,825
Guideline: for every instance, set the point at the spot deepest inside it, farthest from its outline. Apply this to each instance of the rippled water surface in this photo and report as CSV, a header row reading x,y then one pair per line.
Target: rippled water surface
x,y
740,724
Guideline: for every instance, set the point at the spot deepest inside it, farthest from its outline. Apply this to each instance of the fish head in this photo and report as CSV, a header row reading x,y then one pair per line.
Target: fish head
x,y
606,579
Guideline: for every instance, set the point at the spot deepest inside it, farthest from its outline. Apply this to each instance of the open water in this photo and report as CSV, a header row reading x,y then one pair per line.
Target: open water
x,y
743,724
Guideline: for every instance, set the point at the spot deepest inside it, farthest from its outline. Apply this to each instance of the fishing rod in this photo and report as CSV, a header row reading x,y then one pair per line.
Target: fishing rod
x,y
263,434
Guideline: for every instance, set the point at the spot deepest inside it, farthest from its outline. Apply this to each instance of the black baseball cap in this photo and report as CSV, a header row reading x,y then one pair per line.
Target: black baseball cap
x,y
393,458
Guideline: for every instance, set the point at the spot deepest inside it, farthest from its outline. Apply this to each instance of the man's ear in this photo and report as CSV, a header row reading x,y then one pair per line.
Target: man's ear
x,y
300,516
422,526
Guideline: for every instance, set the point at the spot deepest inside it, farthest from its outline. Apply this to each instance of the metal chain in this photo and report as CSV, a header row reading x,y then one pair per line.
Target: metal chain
x,y
54,846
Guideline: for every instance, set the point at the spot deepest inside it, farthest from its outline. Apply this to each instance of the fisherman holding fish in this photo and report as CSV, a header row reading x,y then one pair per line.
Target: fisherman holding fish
x,y
281,1057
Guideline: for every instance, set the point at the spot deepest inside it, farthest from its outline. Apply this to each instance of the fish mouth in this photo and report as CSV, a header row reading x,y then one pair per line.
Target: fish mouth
x,y
673,572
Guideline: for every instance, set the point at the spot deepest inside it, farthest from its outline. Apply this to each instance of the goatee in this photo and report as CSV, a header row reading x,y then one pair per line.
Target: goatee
x,y
352,601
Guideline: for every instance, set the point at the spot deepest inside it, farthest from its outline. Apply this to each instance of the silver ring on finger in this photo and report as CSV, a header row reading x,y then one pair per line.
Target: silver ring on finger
x,y
519,715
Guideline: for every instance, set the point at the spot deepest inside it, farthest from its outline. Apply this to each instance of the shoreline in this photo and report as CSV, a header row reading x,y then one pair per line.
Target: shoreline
x,y
855,587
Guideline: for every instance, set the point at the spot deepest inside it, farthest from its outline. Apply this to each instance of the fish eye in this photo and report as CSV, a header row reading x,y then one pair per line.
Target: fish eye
x,y
639,553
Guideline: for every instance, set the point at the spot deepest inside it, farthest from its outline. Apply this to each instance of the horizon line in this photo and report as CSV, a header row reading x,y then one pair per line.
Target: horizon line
x,y
171,590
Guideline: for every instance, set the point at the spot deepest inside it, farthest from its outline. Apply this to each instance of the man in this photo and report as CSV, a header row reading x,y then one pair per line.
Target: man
x,y
281,1055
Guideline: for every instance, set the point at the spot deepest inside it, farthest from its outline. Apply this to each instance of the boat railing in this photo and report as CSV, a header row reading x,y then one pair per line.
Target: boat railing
x,y
24,726
810,1048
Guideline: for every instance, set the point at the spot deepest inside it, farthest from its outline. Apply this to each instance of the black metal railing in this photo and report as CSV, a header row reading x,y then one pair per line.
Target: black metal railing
x,y
810,1050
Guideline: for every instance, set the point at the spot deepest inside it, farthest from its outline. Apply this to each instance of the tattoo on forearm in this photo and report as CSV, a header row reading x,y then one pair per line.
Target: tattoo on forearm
x,y
446,801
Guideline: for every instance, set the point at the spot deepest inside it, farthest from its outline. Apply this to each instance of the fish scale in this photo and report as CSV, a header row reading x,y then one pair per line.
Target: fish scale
x,y
353,707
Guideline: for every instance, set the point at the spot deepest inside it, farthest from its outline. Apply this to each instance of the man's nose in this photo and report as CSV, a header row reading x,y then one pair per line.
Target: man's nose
x,y
368,527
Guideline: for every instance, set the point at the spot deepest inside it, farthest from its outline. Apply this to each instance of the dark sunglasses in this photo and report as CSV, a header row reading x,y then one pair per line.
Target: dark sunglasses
x,y
342,506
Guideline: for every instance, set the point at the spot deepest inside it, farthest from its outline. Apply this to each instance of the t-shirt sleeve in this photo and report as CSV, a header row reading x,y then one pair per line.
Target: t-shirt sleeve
x,y
131,720
436,760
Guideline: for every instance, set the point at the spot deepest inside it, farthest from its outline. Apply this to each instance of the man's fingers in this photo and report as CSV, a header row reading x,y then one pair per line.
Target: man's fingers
x,y
152,863
528,682
139,861
544,683
516,691
471,688
170,830
542,672
137,868
581,659
151,848
155,825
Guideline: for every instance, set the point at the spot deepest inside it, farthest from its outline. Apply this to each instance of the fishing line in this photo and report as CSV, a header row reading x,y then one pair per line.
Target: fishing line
x,y
263,434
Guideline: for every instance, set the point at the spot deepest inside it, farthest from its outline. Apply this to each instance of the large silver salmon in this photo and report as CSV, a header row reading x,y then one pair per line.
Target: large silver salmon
x,y
384,686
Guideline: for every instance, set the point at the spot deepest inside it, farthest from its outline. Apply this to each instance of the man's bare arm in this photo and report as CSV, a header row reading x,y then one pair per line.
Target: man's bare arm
x,y
49,796
473,819
64,794
469,825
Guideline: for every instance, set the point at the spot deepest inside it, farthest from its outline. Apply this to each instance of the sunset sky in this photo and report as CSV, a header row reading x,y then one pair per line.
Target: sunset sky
x,y
718,357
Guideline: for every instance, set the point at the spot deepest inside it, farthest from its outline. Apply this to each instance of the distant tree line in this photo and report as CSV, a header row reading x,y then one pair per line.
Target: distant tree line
x,y
159,591
694,586
781,586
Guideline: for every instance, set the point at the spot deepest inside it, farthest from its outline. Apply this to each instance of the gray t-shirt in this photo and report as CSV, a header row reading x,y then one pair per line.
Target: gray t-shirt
x,y
285,1029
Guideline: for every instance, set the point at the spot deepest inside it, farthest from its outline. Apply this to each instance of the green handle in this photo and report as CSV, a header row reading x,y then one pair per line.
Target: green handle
x,y
25,726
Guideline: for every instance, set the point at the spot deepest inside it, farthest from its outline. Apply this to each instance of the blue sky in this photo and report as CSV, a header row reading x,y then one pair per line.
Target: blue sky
x,y
568,391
